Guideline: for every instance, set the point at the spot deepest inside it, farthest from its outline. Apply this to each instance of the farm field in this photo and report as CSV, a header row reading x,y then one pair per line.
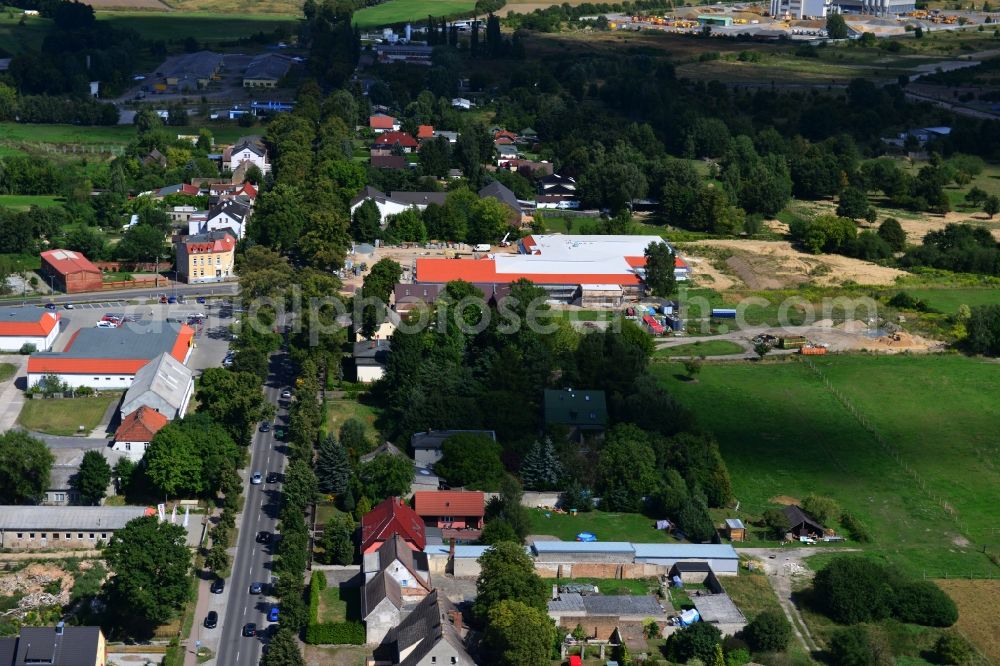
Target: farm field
x,y
949,300
64,416
978,614
14,134
205,26
783,433
402,11
26,201
606,526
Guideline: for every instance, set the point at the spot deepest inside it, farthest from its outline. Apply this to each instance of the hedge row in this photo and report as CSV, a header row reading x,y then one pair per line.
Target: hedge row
x,y
316,585
335,633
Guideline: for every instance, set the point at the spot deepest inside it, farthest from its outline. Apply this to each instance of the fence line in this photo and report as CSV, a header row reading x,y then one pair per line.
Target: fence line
x,y
887,447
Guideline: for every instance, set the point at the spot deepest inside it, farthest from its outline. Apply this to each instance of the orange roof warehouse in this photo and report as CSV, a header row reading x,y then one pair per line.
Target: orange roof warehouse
x,y
108,358
28,325
70,271
565,265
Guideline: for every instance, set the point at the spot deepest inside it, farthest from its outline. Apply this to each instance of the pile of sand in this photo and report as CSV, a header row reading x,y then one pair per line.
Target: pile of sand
x,y
899,342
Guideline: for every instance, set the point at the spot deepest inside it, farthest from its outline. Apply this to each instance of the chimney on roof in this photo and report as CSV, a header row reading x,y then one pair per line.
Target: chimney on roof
x,y
456,620
60,626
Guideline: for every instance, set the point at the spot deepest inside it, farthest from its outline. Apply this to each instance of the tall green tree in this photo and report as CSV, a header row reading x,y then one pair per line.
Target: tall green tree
x,y
152,568
24,476
234,399
354,438
836,27
366,222
519,634
337,543
173,462
91,482
507,573
283,650
660,278
470,459
386,476
333,469
891,231
541,468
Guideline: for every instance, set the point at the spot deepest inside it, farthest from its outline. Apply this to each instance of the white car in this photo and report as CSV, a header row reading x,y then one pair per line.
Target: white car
x,y
286,394
256,479
106,324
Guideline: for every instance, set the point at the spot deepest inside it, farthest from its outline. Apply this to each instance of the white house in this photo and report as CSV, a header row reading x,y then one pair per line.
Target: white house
x,y
230,214
165,385
29,325
395,203
248,149
136,432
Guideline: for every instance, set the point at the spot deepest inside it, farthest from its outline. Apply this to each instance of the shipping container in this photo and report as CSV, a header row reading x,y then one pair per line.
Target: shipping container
x,y
792,342
675,323
810,350
723,313
654,326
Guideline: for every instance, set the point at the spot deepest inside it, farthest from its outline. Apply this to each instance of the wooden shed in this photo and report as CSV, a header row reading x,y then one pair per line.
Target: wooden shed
x,y
735,529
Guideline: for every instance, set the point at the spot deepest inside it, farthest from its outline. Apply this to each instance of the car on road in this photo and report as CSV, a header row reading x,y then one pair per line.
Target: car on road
x,y
286,394
172,299
256,588
50,306
279,432
273,477
211,620
249,629
263,537
218,585
256,478
272,615
265,426
68,306
201,300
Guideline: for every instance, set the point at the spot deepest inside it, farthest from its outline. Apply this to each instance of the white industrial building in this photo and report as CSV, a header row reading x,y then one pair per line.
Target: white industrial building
x,y
802,9
29,325
165,385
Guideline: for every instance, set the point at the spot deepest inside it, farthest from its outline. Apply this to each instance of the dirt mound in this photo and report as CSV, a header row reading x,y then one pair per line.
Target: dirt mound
x,y
35,584
784,499
855,326
900,342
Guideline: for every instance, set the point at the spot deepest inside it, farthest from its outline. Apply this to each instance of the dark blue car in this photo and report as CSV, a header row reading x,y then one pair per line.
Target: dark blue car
x,y
272,615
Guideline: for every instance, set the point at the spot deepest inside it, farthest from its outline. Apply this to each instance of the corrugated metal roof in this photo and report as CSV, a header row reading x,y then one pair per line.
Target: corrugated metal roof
x,y
583,547
27,321
165,377
67,517
461,551
735,523
709,551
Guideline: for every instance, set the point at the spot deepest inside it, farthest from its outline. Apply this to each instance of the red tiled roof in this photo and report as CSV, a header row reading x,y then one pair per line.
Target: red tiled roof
x,y
381,122
484,271
225,244
59,364
425,131
392,138
392,517
140,425
639,262
430,503
40,328
68,262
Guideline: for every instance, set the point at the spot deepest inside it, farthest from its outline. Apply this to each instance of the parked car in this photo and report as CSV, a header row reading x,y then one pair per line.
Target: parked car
x,y
201,300
211,620
50,306
163,298
265,426
218,585
263,537
272,615
249,629
256,588
273,477
255,479
286,394
106,324
68,306
172,299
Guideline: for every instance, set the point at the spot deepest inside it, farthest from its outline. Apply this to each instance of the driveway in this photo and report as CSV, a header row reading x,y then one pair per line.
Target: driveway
x,y
11,397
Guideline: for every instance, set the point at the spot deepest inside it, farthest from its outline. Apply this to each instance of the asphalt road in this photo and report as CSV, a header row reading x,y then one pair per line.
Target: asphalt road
x,y
221,289
252,562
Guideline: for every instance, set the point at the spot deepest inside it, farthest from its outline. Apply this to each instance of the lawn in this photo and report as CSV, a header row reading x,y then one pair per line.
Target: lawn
x,y
706,348
64,416
15,38
206,27
606,526
616,586
585,315
948,300
782,432
751,593
103,135
339,604
26,201
340,410
23,262
403,11
7,371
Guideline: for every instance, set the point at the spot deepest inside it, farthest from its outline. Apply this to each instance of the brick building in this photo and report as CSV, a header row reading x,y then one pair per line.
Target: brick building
x,y
70,272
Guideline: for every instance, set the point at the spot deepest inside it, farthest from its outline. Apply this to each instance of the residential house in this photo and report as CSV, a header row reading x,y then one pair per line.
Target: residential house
x,y
164,385
391,162
155,157
136,431
613,618
392,516
229,215
451,136
60,645
505,154
247,149
61,488
530,169
396,202
266,70
70,272
430,635
461,103
62,527
426,446
191,71
388,143
504,138
109,358
527,135
503,194
578,410
178,188
370,358
425,132
207,257
457,513
381,122
28,325
396,579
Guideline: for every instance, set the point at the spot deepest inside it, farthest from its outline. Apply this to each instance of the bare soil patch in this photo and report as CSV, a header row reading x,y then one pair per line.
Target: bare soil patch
x,y
776,264
785,500
978,604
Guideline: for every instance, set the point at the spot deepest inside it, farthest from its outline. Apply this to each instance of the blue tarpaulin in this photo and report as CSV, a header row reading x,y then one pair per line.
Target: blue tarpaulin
x,y
586,536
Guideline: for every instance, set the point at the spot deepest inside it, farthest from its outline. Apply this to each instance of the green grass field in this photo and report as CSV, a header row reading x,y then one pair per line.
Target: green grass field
x,y
63,417
605,526
339,604
709,348
948,300
206,27
7,371
614,586
782,432
15,134
338,411
402,11
25,201
16,38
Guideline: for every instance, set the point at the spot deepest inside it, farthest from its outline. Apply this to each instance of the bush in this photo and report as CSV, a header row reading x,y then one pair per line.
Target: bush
x,y
768,632
855,527
822,509
335,633
852,647
696,641
923,602
28,348
951,648
854,589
